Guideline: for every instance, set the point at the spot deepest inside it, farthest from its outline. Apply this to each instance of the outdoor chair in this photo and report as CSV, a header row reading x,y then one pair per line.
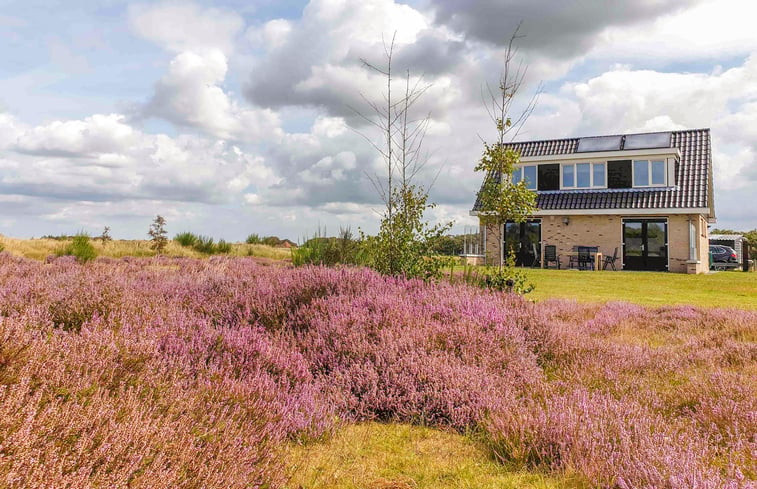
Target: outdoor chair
x,y
585,259
551,256
573,258
610,260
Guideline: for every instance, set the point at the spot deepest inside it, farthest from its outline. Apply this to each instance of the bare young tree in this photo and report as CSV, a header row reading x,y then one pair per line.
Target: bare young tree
x,y
404,242
499,103
500,199
402,138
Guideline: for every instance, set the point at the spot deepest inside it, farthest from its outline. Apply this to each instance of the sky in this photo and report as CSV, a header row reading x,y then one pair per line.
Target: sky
x,y
238,117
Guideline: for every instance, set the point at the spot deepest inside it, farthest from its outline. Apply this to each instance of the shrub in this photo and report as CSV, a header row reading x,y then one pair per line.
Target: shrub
x,y
158,233
223,247
79,247
271,241
105,236
321,250
204,244
179,372
507,278
253,239
185,239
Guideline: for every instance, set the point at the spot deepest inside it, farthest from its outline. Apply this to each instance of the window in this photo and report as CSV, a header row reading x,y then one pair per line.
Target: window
x,y
567,176
599,175
527,173
648,173
584,175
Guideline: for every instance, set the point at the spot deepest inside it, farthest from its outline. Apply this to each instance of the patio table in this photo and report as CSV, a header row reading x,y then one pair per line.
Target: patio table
x,y
597,259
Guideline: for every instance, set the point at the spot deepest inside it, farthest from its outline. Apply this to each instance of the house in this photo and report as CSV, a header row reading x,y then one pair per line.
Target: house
x,y
648,195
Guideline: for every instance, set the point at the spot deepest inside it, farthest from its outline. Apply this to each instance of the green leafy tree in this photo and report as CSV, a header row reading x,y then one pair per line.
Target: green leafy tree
x,y
158,234
405,242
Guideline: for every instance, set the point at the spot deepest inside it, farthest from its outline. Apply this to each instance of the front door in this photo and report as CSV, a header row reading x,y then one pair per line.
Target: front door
x,y
524,240
645,244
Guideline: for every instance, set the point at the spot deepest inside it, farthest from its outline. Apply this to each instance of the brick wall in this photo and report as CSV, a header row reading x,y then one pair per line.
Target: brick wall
x,y
602,231
605,232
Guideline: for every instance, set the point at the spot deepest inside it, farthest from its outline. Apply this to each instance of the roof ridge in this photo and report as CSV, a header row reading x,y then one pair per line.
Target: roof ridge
x,y
679,131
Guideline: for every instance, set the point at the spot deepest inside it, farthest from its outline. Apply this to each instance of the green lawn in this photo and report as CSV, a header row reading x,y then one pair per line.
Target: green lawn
x,y
721,289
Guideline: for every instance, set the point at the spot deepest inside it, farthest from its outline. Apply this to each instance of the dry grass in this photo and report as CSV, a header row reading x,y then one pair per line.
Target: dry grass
x,y
400,456
39,249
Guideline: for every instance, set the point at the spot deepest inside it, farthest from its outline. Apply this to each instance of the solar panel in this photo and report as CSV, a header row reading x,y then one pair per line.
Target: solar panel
x,y
599,143
644,141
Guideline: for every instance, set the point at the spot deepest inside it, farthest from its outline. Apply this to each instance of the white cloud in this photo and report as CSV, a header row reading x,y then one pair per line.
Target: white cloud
x,y
709,30
315,60
186,26
190,94
234,157
101,158
98,134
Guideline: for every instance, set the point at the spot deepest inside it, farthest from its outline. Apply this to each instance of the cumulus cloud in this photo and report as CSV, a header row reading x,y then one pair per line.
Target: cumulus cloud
x,y
101,158
190,95
258,115
97,135
553,29
316,60
186,26
706,31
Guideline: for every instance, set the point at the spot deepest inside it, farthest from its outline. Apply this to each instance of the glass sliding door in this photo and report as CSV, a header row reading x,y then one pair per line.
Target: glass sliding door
x,y
645,244
524,240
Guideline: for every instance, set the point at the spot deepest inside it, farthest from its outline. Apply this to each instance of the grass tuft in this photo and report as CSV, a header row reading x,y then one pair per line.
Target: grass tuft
x,y
401,456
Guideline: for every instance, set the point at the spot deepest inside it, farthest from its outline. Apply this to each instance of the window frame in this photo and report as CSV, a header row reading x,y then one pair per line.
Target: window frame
x,y
520,167
649,173
575,175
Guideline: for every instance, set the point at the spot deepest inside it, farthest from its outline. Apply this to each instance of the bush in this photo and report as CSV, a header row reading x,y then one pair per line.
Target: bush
x,y
450,245
223,247
186,238
253,239
321,250
202,370
204,244
271,241
507,278
79,247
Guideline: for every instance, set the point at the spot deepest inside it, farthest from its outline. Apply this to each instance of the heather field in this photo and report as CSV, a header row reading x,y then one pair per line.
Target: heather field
x,y
219,373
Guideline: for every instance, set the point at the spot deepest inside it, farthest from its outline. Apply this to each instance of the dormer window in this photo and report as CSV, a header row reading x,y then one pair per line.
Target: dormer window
x,y
584,175
649,173
527,173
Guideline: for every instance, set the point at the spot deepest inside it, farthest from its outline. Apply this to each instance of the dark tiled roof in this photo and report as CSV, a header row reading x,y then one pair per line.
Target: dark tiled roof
x,y
692,178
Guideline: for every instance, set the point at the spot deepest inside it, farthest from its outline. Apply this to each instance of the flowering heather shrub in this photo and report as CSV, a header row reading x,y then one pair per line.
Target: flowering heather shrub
x,y
188,373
